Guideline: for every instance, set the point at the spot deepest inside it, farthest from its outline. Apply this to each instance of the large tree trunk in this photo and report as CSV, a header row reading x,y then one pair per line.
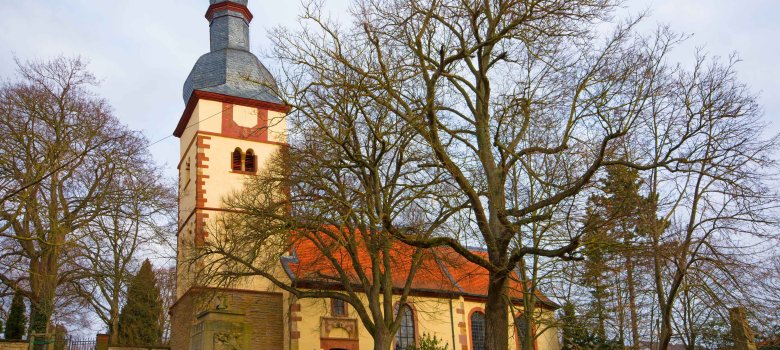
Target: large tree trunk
x,y
496,313
43,286
383,340
39,317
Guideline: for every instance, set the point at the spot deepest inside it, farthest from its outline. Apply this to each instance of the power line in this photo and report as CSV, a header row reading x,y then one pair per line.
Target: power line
x,y
205,119
63,165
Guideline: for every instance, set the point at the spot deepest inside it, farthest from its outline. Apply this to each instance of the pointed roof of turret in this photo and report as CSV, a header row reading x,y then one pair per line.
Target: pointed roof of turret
x,y
230,69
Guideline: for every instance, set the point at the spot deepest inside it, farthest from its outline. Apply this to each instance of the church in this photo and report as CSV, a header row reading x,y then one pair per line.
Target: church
x,y
231,124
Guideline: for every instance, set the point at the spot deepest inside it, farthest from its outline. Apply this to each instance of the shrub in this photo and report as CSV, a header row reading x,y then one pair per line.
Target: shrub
x,y
428,342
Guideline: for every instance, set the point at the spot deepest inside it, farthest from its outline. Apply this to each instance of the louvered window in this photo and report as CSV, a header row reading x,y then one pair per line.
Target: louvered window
x,y
250,161
236,160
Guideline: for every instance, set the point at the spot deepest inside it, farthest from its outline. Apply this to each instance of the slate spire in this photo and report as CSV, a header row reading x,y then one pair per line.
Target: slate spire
x,y
230,69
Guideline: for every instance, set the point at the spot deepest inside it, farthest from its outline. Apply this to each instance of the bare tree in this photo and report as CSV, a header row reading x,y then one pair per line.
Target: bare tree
x,y
710,221
352,173
61,152
706,208
496,87
135,219
711,207
166,281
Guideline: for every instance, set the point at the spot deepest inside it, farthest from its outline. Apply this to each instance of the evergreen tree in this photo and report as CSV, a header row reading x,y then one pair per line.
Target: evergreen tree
x,y
139,320
17,321
577,336
613,231
573,329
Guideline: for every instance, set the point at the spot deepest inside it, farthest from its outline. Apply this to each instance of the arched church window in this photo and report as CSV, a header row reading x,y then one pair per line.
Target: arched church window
x,y
250,161
405,336
477,321
236,159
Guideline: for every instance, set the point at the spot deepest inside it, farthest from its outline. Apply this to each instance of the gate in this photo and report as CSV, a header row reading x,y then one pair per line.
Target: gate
x,y
77,344
44,343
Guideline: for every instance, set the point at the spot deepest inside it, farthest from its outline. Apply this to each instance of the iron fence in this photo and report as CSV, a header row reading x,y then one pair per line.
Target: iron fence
x,y
45,343
79,344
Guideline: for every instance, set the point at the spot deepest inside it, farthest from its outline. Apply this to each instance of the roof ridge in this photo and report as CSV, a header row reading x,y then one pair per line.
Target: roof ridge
x,y
446,272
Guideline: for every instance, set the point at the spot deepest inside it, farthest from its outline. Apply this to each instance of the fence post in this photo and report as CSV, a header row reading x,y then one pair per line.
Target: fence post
x,y
101,342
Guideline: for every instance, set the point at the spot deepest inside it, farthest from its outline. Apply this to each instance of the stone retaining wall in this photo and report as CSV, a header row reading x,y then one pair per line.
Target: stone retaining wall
x,y
13,345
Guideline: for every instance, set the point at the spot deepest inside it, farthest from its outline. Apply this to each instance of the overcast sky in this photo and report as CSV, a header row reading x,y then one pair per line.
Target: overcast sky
x,y
142,50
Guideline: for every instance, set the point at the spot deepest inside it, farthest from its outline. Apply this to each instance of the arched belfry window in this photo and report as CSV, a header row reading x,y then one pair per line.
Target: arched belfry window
x,y
250,161
405,336
477,321
236,156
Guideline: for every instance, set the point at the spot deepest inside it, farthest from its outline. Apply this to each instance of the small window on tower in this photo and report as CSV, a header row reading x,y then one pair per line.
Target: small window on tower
x,y
339,307
236,159
250,161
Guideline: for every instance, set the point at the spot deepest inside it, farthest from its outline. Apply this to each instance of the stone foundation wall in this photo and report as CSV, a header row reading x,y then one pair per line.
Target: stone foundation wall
x,y
263,313
13,345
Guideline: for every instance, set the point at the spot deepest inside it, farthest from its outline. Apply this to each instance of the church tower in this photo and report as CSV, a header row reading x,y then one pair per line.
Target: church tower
x,y
232,122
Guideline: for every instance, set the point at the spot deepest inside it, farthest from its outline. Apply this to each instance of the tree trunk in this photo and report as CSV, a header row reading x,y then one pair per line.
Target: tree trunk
x,y
39,316
601,329
632,302
113,331
666,332
496,313
383,340
621,311
43,285
692,341
529,307
530,338
113,312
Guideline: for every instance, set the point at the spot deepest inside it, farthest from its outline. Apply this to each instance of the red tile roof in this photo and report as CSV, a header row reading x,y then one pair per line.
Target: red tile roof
x,y
442,271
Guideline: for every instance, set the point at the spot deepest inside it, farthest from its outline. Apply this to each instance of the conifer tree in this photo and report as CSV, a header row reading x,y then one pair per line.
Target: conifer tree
x,y
614,224
17,321
139,320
